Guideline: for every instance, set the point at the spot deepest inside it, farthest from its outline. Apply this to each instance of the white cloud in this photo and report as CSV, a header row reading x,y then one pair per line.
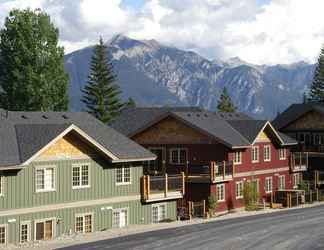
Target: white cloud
x,y
282,31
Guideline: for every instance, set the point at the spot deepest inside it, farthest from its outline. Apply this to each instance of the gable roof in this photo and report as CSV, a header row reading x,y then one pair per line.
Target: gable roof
x,y
294,111
231,132
23,134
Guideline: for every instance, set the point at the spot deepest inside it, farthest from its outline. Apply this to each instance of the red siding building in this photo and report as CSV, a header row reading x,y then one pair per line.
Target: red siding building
x,y
217,152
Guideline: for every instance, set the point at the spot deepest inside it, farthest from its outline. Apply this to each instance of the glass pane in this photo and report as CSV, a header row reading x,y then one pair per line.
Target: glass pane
x,y
119,175
126,174
88,223
75,176
40,183
85,175
2,235
79,224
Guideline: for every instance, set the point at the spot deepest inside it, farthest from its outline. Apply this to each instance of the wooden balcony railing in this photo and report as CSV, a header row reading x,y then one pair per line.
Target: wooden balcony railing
x,y
214,172
163,187
299,161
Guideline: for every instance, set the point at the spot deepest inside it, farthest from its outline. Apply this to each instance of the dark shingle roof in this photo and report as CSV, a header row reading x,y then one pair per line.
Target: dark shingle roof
x,y
232,132
248,128
25,133
294,111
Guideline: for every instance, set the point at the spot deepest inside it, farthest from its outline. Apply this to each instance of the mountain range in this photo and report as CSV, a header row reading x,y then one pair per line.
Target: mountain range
x,y
156,75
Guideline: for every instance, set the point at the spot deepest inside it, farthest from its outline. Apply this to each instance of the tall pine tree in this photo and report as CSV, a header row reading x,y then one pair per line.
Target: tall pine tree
x,y
101,94
225,103
316,93
32,75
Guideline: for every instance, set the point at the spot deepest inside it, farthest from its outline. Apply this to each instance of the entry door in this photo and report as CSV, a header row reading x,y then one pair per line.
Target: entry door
x,y
44,230
122,218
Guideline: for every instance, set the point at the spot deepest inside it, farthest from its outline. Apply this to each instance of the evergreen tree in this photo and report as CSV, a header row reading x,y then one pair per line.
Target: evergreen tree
x,y
32,75
101,94
225,103
316,93
131,103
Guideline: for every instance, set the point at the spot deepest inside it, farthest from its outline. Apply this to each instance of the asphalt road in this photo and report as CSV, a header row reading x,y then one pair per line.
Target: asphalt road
x,y
290,229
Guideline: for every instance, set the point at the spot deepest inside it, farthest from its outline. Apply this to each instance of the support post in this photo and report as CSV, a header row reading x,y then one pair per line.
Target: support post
x,y
224,167
183,183
311,196
190,210
166,185
317,196
148,186
204,208
212,171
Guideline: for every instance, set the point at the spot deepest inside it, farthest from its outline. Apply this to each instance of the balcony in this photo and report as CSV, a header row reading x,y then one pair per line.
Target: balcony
x,y
163,187
215,172
312,149
298,161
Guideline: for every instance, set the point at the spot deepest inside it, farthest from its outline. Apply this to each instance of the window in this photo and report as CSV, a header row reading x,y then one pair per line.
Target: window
x,y
45,177
281,182
282,154
255,154
296,180
267,153
178,156
156,165
80,176
120,218
123,175
3,234
220,192
24,232
238,157
158,213
239,190
83,223
44,229
268,184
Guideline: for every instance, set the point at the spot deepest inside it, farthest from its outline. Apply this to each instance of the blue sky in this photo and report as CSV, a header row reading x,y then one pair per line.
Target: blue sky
x,y
285,31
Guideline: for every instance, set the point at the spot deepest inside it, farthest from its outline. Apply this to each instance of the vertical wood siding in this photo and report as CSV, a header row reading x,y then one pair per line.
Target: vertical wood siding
x,y
20,185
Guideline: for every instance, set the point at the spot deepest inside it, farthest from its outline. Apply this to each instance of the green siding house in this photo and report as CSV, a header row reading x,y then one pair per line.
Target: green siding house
x,y
67,173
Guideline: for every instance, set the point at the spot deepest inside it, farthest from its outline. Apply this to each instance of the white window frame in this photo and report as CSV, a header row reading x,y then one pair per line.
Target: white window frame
x,y
257,148
2,184
237,154
83,215
158,207
6,234
284,155
217,193
266,185
118,210
264,153
282,182
178,150
54,178
123,182
28,223
53,219
239,186
79,165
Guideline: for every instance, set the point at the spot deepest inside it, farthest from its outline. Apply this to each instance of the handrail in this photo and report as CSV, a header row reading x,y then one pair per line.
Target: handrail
x,y
162,184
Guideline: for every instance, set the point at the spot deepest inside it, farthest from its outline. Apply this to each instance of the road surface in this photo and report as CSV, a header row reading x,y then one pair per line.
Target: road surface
x,y
287,229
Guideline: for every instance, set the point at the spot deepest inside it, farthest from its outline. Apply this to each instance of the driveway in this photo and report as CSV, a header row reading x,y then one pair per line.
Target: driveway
x,y
287,229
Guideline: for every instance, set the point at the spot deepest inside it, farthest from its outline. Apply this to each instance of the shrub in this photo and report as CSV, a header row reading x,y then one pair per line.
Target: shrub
x,y
250,196
212,204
